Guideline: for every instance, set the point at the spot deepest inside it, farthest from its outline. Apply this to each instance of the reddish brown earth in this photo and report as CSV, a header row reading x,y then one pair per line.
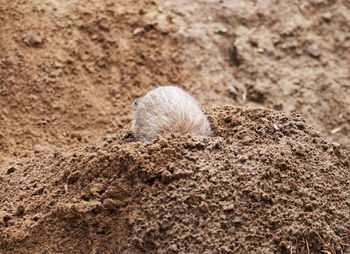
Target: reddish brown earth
x,y
259,185
73,179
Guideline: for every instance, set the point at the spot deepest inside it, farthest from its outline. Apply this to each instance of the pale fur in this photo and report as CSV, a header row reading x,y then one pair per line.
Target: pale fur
x,y
168,109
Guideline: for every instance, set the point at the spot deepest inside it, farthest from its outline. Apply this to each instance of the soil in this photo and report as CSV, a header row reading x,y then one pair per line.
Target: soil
x,y
259,185
74,180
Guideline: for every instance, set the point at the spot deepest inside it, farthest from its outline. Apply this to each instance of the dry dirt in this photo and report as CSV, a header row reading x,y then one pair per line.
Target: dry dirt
x,y
72,177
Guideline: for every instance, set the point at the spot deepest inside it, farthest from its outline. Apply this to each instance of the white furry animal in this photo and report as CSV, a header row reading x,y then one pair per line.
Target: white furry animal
x,y
168,109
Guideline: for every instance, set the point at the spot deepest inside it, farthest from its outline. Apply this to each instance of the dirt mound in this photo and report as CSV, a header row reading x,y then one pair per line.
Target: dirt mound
x,y
69,73
70,70
267,182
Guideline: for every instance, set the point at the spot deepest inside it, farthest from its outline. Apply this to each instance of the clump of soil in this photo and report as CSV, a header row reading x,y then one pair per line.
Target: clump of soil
x,y
266,182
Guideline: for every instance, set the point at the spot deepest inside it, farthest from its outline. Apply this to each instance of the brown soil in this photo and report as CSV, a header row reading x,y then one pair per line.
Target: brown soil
x,y
258,185
73,179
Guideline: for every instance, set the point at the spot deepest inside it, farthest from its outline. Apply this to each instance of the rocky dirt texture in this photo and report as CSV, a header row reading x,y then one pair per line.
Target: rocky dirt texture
x,y
285,55
266,183
70,70
73,179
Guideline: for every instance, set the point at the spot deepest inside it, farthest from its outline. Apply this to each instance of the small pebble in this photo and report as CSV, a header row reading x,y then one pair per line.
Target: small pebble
x,y
34,40
314,50
222,30
226,249
327,16
173,247
138,31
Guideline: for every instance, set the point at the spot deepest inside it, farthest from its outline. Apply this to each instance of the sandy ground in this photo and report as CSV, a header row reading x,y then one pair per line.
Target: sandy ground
x,y
269,182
